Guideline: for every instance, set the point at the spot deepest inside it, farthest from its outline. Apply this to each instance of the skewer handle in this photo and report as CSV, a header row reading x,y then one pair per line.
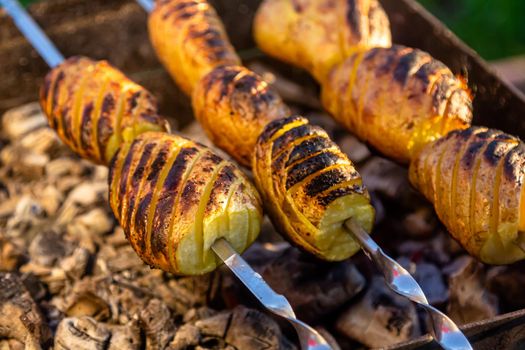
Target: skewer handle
x,y
33,33
444,331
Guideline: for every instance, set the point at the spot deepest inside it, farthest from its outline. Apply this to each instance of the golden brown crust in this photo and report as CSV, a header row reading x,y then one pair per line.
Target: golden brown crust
x,y
190,40
174,198
301,174
474,178
94,107
397,99
233,105
317,34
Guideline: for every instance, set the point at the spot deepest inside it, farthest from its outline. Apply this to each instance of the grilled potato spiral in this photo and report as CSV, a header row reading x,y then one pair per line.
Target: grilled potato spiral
x,y
233,105
174,198
309,188
397,99
197,40
94,107
475,178
317,34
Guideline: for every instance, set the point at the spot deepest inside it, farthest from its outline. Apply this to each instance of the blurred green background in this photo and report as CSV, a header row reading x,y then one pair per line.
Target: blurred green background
x,y
494,28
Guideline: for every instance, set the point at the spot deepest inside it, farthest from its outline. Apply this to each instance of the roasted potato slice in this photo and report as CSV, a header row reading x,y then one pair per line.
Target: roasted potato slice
x,y
174,198
233,105
475,179
94,107
190,40
397,99
317,34
310,188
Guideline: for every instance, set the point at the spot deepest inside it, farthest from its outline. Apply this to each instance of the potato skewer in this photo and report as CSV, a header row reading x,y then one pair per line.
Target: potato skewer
x,y
311,189
153,174
242,115
401,100
143,153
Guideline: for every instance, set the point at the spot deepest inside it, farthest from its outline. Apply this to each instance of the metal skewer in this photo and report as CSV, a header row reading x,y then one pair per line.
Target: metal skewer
x,y
444,330
310,339
33,33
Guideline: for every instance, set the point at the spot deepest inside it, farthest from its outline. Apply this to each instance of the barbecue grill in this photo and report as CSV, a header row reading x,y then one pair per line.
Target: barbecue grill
x,y
115,31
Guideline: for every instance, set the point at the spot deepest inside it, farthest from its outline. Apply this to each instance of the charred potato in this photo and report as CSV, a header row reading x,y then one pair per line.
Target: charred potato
x,y
233,105
397,99
174,198
190,40
310,188
94,107
317,34
475,179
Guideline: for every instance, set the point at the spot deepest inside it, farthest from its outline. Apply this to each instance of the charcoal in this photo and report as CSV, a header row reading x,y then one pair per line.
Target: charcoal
x,y
379,318
27,217
385,177
313,287
436,249
156,320
20,317
507,282
289,90
352,147
200,313
244,328
186,336
47,248
11,255
75,265
469,300
420,223
22,120
51,199
88,304
87,334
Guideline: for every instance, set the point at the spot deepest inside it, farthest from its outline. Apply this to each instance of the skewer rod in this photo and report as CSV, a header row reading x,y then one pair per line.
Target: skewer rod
x,y
33,33
310,339
253,281
147,5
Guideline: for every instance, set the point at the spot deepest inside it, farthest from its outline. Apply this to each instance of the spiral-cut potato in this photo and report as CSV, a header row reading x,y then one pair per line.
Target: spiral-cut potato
x,y
310,188
174,198
475,178
317,34
397,99
233,105
190,40
94,107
